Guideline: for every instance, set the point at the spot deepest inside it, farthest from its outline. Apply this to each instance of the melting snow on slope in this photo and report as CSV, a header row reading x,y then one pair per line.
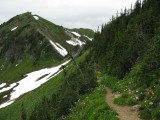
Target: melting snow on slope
x,y
75,41
71,42
59,48
2,85
77,34
14,28
79,42
8,88
35,17
88,38
5,96
6,104
32,81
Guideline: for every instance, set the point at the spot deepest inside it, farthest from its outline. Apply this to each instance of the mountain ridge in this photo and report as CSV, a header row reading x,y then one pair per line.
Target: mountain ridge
x,y
28,38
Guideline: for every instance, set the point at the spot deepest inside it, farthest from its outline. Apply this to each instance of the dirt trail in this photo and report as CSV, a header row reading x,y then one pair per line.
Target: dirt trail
x,y
125,112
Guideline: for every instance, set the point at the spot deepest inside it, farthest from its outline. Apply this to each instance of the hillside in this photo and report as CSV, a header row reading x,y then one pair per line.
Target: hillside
x,y
25,42
128,48
33,51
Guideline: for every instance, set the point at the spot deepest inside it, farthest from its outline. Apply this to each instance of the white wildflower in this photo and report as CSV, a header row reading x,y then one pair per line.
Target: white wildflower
x,y
150,103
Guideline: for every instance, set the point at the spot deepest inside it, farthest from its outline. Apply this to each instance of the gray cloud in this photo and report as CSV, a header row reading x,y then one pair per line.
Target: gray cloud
x,y
69,13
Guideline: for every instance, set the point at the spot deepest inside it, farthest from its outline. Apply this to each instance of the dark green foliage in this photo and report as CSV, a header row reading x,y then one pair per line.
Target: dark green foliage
x,y
125,100
123,41
92,107
128,47
25,40
42,113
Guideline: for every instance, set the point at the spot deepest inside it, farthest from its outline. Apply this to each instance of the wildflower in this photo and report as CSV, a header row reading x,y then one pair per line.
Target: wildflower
x,y
150,103
137,98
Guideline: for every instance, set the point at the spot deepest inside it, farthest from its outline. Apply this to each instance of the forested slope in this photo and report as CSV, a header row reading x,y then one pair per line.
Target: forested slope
x,y
128,48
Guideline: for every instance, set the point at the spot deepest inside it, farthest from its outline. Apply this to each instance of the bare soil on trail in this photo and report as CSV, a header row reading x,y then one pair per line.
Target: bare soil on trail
x,y
124,112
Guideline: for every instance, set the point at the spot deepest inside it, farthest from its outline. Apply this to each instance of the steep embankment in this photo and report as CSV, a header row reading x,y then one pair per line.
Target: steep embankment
x,y
93,107
128,48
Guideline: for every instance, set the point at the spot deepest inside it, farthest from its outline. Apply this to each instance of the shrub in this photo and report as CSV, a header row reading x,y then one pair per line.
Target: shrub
x,y
130,101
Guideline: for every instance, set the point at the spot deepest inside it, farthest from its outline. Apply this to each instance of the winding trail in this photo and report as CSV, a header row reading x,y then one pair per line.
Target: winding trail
x,y
124,112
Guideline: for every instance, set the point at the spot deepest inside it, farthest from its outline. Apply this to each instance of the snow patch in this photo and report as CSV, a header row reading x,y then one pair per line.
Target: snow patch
x,y
80,42
77,34
88,38
75,41
2,85
59,45
5,96
14,28
59,48
71,42
8,88
35,17
6,104
30,82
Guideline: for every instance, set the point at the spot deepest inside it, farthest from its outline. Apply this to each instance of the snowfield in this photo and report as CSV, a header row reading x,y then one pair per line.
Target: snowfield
x,y
35,17
14,28
32,81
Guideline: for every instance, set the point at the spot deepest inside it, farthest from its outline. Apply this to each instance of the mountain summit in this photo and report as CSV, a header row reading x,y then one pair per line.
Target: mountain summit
x,y
33,51
30,42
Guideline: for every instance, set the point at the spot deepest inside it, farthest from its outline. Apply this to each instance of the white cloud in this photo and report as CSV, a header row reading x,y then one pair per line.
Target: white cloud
x,y
69,13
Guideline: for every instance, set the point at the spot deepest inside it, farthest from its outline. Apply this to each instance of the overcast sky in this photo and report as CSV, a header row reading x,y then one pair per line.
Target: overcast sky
x,y
68,13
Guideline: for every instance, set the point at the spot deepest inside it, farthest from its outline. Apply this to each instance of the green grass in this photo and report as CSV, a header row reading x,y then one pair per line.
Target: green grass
x,y
125,99
112,82
31,99
11,73
83,31
121,86
37,55
93,107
